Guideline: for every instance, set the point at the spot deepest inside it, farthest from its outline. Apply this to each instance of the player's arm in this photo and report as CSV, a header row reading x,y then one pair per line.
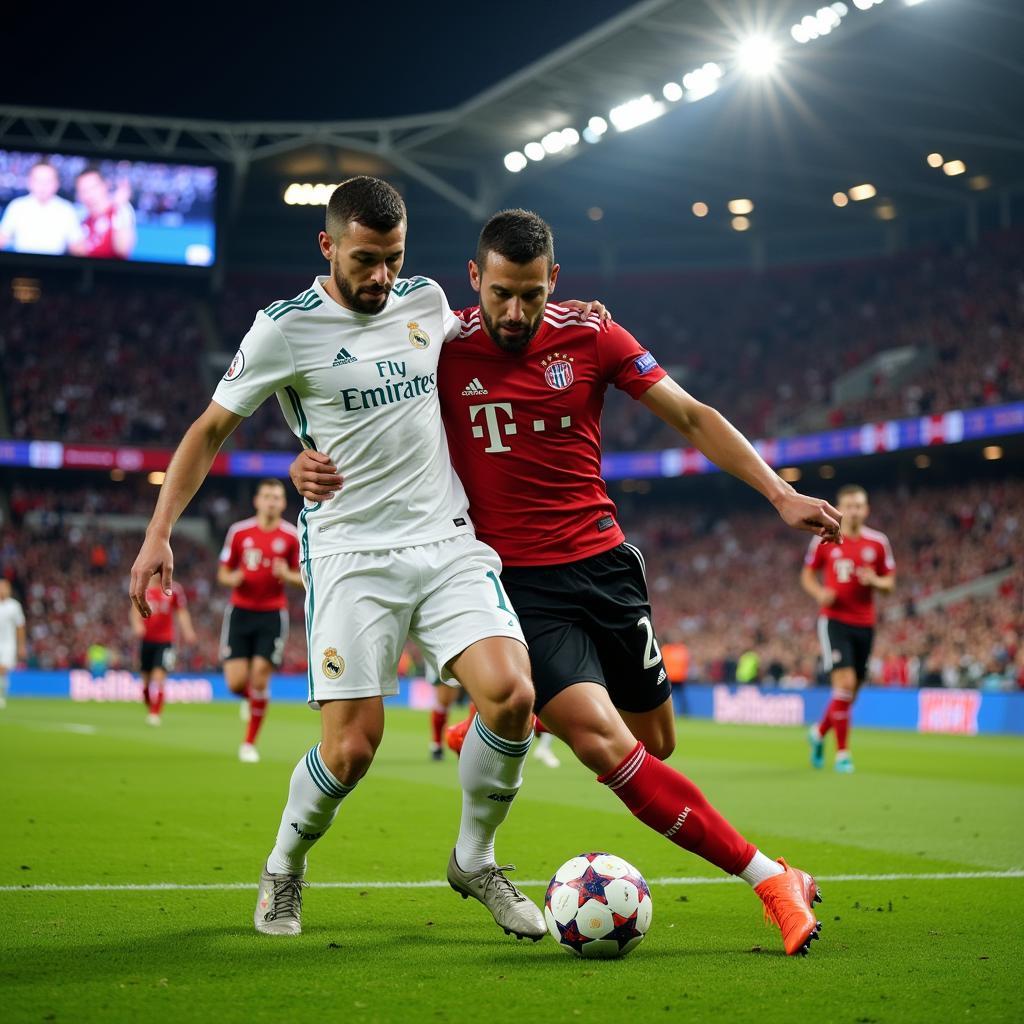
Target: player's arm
x,y
22,645
138,630
812,586
188,469
721,443
869,578
228,577
283,571
124,225
188,633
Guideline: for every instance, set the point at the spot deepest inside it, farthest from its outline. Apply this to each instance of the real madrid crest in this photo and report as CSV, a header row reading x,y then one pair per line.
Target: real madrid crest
x,y
558,370
333,663
418,337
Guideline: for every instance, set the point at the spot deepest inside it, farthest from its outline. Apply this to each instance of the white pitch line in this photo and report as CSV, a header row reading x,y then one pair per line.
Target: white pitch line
x,y
933,876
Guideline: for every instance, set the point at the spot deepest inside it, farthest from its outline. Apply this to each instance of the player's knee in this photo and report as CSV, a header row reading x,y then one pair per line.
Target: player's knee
x,y
348,758
598,745
662,745
511,695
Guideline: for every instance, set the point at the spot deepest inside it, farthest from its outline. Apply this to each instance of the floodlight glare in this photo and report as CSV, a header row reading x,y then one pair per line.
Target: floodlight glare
x,y
935,159
841,199
757,55
699,209
673,92
570,136
861,192
553,142
534,150
636,112
740,223
598,125
953,167
515,161
741,206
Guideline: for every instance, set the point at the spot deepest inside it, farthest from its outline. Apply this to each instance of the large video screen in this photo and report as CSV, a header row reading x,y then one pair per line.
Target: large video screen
x,y
134,211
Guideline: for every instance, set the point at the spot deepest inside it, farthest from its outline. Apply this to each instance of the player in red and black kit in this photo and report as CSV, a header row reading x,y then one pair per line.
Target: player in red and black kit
x,y
109,225
260,556
853,570
156,649
521,392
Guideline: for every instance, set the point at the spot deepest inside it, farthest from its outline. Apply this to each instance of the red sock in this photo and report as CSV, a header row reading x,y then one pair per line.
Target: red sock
x,y
156,704
671,804
257,710
538,726
438,720
826,722
840,710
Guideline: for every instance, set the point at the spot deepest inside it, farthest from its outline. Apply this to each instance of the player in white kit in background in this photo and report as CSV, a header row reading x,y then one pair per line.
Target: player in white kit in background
x,y
12,636
353,362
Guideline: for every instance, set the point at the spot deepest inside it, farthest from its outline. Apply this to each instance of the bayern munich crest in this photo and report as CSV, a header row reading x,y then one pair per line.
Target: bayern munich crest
x,y
558,370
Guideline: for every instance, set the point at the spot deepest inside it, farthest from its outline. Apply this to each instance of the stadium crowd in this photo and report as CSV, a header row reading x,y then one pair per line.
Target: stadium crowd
x,y
712,586
782,348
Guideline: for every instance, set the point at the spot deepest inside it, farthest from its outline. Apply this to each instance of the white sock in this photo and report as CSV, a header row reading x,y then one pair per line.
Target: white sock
x,y
491,772
314,797
544,740
760,869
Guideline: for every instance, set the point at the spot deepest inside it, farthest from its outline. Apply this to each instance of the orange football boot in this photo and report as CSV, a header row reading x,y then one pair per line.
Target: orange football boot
x,y
788,903
455,735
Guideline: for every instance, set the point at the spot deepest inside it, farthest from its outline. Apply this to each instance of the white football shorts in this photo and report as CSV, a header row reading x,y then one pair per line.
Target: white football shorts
x,y
362,605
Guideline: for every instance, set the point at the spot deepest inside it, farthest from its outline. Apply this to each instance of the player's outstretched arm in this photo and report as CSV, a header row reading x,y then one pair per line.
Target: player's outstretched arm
x,y
314,475
720,442
191,462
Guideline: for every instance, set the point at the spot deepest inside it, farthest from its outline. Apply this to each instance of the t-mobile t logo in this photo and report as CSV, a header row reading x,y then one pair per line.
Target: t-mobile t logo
x,y
500,427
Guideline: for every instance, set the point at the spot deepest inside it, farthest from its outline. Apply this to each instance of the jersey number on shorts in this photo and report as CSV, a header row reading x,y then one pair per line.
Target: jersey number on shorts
x,y
652,655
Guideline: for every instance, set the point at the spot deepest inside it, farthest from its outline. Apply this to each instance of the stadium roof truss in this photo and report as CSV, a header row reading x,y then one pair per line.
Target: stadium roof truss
x,y
457,153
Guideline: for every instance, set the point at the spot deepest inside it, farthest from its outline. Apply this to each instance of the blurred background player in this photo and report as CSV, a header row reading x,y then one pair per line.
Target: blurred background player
x,y
445,695
260,555
156,647
12,636
852,569
109,224
42,221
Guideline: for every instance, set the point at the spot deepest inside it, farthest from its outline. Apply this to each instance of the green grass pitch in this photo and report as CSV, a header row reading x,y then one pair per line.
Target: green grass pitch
x,y
91,796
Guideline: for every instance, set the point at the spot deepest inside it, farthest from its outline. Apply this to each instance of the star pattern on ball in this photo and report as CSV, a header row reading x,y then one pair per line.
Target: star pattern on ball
x,y
625,929
590,886
569,935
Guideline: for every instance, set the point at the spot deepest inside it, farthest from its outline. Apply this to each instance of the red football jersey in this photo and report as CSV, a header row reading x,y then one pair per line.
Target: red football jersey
x,y
159,627
854,603
99,231
254,549
524,431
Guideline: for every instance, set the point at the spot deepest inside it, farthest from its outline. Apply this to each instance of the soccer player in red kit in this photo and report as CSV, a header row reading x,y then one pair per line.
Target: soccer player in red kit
x,y
260,556
109,224
853,570
156,648
521,392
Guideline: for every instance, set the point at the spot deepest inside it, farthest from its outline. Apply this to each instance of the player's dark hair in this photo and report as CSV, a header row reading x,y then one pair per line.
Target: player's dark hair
x,y
372,202
520,236
270,481
850,489
90,169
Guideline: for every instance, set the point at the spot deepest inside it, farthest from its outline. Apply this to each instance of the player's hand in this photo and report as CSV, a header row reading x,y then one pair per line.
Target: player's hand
x,y
866,576
122,193
235,577
584,309
279,567
828,598
155,559
815,515
189,637
315,477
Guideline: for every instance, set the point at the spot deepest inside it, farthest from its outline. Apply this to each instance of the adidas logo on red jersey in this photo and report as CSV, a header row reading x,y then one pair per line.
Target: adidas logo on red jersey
x,y
474,389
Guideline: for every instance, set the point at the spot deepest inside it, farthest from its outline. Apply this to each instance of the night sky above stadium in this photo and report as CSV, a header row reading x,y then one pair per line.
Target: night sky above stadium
x,y
317,62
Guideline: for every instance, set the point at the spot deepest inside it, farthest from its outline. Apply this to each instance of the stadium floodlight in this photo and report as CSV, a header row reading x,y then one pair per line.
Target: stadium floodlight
x,y
672,91
841,199
861,192
595,213
702,81
979,183
596,127
757,55
841,9
699,209
741,206
534,150
913,3
515,161
991,453
935,159
636,112
741,223
951,168
553,142
570,136
885,211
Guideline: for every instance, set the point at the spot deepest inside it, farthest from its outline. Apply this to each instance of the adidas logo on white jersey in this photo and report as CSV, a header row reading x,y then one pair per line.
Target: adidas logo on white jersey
x,y
474,388
343,357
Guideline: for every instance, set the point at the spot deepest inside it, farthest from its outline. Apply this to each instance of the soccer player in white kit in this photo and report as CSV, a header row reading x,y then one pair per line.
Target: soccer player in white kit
x,y
353,363
12,636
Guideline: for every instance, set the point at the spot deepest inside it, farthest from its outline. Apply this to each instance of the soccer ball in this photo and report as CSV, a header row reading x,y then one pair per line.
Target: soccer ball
x,y
598,905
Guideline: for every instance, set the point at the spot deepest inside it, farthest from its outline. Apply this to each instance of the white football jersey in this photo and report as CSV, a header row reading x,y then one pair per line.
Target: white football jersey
x,y
11,619
362,389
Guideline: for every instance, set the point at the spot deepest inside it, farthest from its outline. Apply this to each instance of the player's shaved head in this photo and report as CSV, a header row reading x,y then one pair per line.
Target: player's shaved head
x,y
851,490
852,501
371,202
